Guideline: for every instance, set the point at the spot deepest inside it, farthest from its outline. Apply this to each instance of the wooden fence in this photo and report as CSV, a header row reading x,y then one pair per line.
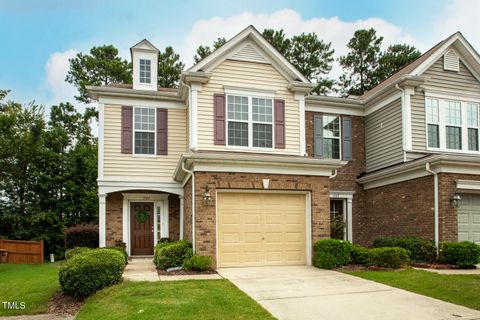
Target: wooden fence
x,y
20,251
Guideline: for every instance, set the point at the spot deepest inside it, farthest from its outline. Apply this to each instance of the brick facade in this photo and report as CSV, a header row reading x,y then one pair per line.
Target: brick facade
x,y
205,216
400,209
187,211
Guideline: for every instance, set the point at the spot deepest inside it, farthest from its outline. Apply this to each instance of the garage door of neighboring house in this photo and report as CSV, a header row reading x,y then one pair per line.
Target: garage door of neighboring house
x,y
469,218
261,229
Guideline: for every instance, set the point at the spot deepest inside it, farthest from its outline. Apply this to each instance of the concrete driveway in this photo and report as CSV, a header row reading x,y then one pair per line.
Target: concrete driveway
x,y
311,293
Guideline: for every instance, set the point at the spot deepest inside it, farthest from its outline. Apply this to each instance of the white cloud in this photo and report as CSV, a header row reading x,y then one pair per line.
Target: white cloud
x,y
56,70
333,29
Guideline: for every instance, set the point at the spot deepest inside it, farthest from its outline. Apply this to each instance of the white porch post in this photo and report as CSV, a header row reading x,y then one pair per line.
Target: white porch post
x,y
102,219
349,220
182,207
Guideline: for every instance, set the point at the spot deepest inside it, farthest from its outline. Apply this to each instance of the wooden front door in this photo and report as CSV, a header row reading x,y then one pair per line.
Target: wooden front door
x,y
141,220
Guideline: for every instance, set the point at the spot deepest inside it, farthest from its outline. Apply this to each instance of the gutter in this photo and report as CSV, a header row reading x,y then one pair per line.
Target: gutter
x,y
435,197
190,173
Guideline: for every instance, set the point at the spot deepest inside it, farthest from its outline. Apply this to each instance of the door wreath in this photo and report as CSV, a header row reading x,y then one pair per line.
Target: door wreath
x,y
141,216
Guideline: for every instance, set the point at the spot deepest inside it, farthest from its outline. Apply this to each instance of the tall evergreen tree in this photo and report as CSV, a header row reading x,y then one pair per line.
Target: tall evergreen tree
x,y
395,58
169,68
203,51
278,39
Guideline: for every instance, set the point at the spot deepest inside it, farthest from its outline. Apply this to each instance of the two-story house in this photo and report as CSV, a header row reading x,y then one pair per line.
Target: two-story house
x,y
243,162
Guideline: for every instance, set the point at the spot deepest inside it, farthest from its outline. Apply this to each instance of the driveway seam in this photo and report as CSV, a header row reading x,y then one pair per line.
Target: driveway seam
x,y
327,295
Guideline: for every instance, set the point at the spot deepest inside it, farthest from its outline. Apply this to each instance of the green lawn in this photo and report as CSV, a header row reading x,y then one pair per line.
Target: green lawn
x,y
192,299
32,284
459,289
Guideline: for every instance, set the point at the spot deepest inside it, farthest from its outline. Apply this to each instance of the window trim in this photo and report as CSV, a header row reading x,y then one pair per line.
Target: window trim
x,y
249,121
442,123
140,71
340,135
144,155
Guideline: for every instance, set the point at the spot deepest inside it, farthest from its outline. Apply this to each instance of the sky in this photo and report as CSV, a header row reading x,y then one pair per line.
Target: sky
x,y
39,36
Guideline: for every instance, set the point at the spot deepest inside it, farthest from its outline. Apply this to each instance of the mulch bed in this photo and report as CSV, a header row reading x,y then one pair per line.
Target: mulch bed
x,y
62,304
359,267
437,266
183,272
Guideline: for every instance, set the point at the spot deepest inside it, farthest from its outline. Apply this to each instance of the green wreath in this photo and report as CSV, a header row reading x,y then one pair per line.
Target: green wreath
x,y
141,216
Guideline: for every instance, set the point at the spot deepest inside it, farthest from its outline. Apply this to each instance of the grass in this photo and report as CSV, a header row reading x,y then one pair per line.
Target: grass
x,y
191,299
458,289
33,284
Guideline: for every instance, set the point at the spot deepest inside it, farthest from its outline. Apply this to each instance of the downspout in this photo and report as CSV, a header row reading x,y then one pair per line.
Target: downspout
x,y
190,173
435,197
334,174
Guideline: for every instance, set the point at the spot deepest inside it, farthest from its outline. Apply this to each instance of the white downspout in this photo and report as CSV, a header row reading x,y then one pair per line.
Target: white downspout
x,y
334,174
193,202
435,197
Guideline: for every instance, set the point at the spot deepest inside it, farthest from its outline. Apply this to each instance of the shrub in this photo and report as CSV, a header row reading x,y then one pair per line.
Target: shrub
x,y
331,253
86,273
360,255
463,254
122,250
70,253
389,257
421,250
197,263
82,235
172,254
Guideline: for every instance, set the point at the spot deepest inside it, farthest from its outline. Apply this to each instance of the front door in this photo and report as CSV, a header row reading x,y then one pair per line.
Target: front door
x,y
141,219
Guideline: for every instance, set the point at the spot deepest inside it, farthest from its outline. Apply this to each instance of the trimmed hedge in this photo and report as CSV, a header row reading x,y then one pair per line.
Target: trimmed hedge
x,y
463,254
197,263
70,253
421,250
360,255
389,257
331,253
88,272
82,235
172,254
122,250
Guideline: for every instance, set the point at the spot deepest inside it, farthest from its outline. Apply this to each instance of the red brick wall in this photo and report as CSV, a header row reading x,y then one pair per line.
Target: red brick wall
x,y
187,211
114,218
205,222
400,209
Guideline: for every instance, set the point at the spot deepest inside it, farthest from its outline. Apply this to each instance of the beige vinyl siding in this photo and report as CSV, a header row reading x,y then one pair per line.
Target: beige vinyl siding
x,y
383,136
118,166
418,120
247,75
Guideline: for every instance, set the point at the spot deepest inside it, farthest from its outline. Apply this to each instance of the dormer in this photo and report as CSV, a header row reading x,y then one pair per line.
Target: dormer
x,y
145,64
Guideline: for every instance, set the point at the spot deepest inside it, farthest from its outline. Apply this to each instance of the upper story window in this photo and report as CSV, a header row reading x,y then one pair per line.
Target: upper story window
x,y
145,71
249,121
327,136
452,125
144,131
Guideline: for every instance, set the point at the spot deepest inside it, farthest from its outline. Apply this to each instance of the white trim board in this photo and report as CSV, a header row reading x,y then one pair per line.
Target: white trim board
x,y
120,101
109,186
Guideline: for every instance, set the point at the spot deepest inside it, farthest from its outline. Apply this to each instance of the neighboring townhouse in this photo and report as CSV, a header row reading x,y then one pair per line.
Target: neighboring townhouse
x,y
243,162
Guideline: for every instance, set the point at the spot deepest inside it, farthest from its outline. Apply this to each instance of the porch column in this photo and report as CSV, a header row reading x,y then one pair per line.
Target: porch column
x,y
181,216
102,220
349,220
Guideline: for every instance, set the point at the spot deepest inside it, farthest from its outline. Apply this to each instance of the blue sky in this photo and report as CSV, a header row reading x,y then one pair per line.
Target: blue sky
x,y
39,36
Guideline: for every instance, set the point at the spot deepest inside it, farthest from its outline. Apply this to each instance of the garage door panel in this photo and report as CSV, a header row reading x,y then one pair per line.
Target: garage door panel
x,y
476,218
469,218
270,229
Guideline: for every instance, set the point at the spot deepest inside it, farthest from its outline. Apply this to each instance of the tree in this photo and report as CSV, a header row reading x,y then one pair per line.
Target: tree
x,y
278,39
169,68
395,58
203,51
360,63
313,58
101,67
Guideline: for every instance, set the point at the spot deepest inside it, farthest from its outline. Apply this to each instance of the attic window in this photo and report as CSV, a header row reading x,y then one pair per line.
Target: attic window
x,y
145,70
451,61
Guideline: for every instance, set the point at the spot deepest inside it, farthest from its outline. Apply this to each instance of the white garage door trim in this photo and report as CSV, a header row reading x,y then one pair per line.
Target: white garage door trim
x,y
308,216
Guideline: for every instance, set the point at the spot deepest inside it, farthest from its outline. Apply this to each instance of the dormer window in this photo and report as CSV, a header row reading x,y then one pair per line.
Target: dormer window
x,y
145,71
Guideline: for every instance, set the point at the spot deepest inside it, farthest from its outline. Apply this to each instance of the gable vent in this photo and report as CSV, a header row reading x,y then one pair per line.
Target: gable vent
x,y
451,61
249,53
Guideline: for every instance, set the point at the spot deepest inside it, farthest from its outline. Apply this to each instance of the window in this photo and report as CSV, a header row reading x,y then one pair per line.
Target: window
x,y
431,107
144,130
145,70
472,126
250,121
453,121
331,137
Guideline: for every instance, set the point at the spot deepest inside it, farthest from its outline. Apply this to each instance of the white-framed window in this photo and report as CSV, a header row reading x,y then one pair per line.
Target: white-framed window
x,y
249,121
145,70
452,125
331,136
144,130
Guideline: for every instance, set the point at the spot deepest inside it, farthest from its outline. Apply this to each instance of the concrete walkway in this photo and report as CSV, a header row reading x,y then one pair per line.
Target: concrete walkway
x,y
311,293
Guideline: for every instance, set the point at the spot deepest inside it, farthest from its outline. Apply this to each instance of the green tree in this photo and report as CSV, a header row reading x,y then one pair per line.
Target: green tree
x,y
360,63
278,39
395,58
169,68
101,67
203,51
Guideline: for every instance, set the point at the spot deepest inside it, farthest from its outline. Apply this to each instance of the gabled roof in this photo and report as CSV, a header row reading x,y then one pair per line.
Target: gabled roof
x,y
144,45
250,33
421,64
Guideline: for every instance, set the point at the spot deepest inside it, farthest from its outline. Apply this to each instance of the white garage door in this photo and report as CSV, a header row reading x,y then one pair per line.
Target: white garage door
x,y
260,229
469,218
